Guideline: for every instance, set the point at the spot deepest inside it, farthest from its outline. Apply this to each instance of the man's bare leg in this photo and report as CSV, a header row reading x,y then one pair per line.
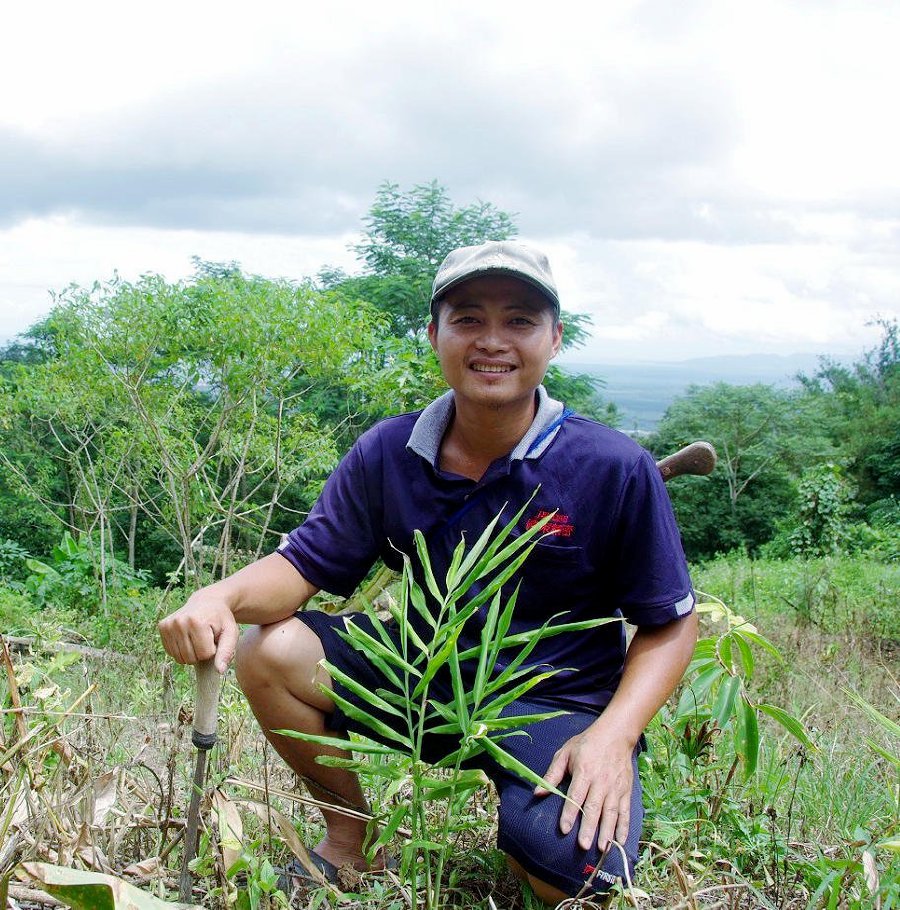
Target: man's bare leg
x,y
542,891
277,668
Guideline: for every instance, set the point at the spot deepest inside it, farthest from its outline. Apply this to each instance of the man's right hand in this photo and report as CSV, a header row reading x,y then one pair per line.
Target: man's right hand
x,y
203,628
264,592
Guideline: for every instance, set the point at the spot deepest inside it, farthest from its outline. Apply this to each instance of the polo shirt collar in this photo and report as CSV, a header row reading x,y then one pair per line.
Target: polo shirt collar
x,y
432,423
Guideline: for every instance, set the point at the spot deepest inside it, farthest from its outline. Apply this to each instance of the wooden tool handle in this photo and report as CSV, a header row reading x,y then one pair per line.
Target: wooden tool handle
x,y
206,706
696,458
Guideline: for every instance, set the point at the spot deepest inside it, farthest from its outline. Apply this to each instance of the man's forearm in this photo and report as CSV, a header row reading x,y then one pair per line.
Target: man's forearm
x,y
655,662
264,592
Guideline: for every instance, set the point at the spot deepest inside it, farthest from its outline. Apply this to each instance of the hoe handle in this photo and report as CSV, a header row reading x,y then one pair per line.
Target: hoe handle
x,y
206,707
203,737
696,458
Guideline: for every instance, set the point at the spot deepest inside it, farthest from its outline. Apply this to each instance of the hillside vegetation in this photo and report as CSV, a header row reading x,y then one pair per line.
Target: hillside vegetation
x,y
157,435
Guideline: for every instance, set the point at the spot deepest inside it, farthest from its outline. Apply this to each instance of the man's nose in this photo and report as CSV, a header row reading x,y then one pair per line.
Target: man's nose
x,y
491,338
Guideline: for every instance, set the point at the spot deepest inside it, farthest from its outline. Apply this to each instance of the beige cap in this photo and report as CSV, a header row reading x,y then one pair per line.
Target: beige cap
x,y
501,257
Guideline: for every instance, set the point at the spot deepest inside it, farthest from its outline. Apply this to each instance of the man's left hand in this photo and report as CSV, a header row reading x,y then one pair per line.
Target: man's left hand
x,y
600,768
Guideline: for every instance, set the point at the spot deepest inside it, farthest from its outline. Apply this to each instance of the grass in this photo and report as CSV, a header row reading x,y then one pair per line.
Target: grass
x,y
103,784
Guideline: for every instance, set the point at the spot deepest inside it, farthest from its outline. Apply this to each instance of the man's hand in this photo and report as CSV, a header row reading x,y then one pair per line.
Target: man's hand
x,y
599,760
204,627
264,592
600,768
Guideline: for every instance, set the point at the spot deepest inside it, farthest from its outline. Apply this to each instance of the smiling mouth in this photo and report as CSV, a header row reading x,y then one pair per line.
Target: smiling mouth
x,y
491,368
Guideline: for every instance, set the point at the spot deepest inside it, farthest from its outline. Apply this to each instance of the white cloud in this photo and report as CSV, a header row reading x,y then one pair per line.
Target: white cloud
x,y
705,175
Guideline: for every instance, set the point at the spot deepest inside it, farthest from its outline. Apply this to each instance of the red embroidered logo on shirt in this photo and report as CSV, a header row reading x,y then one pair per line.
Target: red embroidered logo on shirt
x,y
558,524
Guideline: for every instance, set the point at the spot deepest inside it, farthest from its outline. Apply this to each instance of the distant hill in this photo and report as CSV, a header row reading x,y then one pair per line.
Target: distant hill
x,y
643,391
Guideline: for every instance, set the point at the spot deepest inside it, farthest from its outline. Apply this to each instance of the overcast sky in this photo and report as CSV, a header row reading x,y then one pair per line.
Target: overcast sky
x,y
707,177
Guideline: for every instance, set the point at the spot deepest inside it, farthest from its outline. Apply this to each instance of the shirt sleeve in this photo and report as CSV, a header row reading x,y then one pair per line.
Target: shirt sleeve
x,y
653,584
338,543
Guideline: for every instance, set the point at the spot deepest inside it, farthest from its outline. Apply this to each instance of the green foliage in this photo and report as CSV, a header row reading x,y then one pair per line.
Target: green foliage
x,y
17,611
835,593
70,579
429,798
762,436
407,235
180,408
859,407
821,511
411,233
12,561
697,802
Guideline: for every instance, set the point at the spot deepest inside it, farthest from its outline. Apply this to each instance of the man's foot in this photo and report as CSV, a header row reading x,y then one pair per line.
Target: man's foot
x,y
341,855
296,872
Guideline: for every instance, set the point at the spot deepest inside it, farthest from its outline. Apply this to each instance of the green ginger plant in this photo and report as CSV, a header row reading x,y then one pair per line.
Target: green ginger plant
x,y
428,797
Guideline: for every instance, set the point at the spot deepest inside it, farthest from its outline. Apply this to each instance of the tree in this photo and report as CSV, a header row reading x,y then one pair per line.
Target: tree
x,y
763,437
859,407
406,237
176,406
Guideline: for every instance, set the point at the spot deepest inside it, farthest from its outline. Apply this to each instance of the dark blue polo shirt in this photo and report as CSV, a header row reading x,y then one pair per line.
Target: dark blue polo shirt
x,y
614,551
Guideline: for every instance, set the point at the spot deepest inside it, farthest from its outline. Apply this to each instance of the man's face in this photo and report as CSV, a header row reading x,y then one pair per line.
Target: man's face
x,y
494,338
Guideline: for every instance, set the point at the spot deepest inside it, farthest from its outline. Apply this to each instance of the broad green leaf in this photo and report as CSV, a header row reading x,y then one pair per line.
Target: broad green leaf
x,y
763,642
377,625
790,723
473,571
460,701
548,631
455,563
452,789
723,650
398,699
497,582
474,554
445,711
367,695
723,707
487,637
503,624
704,649
893,845
749,737
368,645
390,826
373,723
362,746
417,599
469,776
92,890
747,661
505,760
436,662
431,846
521,720
406,627
430,581
504,698
695,691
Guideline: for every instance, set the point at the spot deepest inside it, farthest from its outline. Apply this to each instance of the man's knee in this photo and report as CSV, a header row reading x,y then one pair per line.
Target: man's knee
x,y
283,654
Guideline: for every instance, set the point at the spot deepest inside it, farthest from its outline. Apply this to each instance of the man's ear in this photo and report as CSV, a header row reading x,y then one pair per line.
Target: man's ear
x,y
557,338
432,334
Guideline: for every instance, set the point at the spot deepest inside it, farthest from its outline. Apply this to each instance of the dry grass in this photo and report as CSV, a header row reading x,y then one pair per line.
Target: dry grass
x,y
96,762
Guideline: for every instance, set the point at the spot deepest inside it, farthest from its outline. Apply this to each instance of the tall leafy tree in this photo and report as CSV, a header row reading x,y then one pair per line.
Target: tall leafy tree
x,y
859,408
763,437
406,236
176,406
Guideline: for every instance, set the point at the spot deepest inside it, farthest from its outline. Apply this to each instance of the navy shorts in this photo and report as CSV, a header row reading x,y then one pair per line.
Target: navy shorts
x,y
528,826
